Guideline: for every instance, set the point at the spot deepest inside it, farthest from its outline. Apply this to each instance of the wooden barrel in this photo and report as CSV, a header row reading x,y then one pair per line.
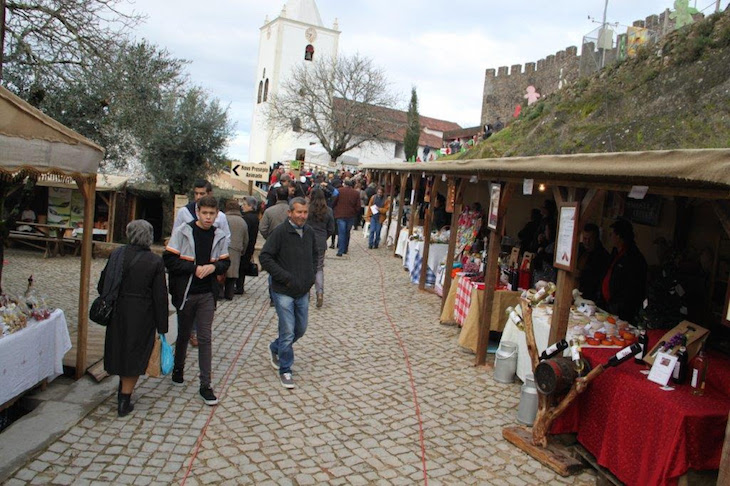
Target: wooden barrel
x,y
556,375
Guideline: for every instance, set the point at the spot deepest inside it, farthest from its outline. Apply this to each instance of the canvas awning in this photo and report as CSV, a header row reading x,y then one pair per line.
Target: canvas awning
x,y
695,169
32,140
104,182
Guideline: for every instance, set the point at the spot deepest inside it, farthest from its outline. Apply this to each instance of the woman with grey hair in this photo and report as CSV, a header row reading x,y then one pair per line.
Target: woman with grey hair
x,y
140,309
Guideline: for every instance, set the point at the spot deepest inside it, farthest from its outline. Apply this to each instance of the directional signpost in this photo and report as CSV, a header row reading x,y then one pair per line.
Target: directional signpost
x,y
250,173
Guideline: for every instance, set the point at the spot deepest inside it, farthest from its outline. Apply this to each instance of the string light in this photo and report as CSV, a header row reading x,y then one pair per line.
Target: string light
x,y
541,188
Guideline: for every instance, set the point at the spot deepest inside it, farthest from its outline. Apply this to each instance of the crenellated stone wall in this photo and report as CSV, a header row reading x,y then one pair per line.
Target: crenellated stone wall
x,y
505,88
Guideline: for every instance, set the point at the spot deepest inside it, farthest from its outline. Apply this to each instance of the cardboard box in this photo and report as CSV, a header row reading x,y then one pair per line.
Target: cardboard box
x,y
696,335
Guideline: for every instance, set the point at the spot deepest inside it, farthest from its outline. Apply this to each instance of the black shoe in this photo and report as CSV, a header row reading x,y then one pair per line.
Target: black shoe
x,y
271,303
124,404
206,393
339,254
177,376
332,247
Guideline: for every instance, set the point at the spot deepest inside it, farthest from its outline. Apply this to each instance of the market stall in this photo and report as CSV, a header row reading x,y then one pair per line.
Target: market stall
x,y
34,145
599,187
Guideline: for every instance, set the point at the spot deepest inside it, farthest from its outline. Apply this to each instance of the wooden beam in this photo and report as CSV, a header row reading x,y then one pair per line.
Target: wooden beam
x,y
490,274
723,214
565,285
401,202
87,186
414,204
591,201
390,211
553,456
427,232
724,473
112,217
558,195
452,241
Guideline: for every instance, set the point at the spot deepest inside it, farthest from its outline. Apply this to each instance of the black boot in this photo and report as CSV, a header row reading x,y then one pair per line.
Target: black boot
x,y
230,286
124,404
119,389
239,285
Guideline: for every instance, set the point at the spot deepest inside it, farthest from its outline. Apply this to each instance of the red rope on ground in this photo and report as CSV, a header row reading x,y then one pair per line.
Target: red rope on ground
x,y
408,365
224,387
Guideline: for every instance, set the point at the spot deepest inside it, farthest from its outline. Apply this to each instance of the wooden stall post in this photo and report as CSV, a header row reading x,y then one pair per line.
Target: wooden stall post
x,y
427,234
401,202
566,281
87,186
112,217
724,474
390,210
250,187
490,274
414,211
459,182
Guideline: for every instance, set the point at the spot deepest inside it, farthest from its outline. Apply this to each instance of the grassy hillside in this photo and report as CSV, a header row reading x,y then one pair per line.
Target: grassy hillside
x,y
675,94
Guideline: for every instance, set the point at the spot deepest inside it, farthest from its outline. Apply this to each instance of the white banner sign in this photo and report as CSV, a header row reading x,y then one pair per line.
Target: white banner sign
x,y
250,172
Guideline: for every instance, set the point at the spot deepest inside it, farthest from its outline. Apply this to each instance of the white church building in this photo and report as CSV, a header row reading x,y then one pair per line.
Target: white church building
x,y
297,35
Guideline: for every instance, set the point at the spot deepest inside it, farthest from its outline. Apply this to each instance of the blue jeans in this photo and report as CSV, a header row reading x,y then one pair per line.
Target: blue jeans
x,y
344,225
375,226
293,314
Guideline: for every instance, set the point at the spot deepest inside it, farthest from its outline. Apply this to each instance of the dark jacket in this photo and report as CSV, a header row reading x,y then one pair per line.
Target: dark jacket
x,y
592,267
252,221
347,203
627,284
180,259
290,259
139,313
322,229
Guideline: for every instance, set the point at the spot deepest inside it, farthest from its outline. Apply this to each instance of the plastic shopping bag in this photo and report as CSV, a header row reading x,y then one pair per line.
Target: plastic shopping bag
x,y
167,360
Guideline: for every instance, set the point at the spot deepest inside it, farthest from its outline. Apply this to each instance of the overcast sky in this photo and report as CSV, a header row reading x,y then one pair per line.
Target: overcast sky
x,y
440,47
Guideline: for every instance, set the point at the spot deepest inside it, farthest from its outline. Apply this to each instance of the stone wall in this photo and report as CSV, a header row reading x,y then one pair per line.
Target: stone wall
x,y
506,87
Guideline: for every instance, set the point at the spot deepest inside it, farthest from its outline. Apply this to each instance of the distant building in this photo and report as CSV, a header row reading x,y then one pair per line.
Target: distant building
x,y
298,36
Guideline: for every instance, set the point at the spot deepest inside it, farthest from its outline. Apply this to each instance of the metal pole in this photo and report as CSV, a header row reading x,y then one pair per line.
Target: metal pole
x,y
2,36
603,32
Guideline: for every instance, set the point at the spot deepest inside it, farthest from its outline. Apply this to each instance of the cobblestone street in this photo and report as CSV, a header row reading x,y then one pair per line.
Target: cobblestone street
x,y
384,395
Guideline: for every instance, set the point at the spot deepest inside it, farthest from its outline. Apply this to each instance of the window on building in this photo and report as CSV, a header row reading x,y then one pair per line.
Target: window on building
x,y
266,90
309,52
300,154
261,88
296,125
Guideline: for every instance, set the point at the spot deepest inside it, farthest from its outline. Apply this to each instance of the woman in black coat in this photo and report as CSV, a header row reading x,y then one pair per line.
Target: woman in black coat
x,y
140,310
251,217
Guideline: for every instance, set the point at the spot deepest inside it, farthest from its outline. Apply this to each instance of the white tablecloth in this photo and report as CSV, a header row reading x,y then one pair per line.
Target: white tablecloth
x,y
33,354
413,259
541,326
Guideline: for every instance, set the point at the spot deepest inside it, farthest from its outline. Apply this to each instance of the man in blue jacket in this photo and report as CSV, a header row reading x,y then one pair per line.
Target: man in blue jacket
x,y
196,253
290,257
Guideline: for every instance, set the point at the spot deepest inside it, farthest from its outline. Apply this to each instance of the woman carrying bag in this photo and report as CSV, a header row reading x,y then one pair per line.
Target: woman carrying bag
x,y
140,310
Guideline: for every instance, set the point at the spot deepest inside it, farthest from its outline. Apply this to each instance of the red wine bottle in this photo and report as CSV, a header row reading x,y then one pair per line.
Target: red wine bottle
x,y
679,375
643,341
623,355
553,350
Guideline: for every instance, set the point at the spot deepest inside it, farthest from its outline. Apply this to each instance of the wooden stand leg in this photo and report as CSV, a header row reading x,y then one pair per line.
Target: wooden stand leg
x,y
554,456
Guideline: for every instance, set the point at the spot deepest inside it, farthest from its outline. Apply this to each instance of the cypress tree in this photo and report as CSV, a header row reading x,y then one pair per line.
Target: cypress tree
x,y
413,130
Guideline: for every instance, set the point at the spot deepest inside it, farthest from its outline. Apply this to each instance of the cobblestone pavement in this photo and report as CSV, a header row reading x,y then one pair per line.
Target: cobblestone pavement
x,y
383,395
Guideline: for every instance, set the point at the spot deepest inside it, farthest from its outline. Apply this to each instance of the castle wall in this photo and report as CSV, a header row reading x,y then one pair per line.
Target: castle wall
x,y
505,88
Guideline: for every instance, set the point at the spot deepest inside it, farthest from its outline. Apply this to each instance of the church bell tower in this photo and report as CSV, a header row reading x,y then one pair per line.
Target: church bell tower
x,y
296,36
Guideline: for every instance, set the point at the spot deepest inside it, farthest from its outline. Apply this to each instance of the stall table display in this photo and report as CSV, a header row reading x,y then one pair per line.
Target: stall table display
x,y
469,336
33,354
414,258
541,316
645,435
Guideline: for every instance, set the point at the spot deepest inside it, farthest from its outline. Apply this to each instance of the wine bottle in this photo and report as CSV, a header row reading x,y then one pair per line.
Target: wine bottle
x,y
698,368
515,316
643,341
542,294
679,374
575,356
657,349
554,349
623,355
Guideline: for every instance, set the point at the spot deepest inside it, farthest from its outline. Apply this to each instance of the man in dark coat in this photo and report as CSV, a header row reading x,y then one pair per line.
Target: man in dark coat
x,y
623,288
592,262
251,217
346,208
290,257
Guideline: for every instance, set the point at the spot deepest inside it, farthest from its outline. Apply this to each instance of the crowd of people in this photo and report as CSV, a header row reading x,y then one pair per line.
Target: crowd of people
x,y
208,257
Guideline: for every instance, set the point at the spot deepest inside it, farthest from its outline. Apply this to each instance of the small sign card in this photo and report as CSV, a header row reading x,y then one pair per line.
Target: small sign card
x,y
662,368
527,185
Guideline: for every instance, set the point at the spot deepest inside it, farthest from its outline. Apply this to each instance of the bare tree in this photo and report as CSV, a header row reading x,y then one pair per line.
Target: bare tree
x,y
339,101
50,38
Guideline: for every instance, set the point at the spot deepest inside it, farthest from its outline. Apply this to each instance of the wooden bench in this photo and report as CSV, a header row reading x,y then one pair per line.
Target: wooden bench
x,y
51,246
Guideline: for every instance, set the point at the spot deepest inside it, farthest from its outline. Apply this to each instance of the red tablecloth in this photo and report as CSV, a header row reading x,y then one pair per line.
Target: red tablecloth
x,y
646,436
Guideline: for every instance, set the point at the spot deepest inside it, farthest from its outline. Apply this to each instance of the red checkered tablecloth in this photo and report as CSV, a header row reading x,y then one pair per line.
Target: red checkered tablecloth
x,y
463,298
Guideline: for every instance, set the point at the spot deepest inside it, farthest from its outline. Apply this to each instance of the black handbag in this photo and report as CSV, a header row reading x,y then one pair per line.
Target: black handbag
x,y
252,270
103,307
101,312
